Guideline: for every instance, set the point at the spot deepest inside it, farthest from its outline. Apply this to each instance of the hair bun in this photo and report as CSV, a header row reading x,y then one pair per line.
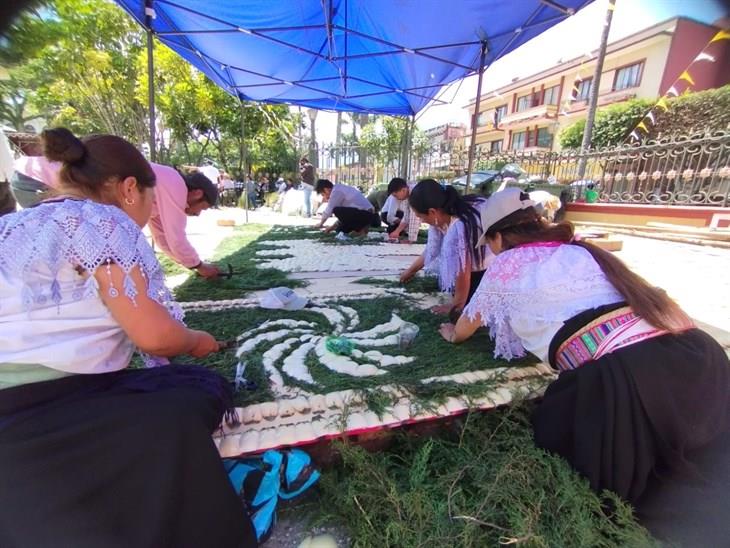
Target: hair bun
x,y
60,145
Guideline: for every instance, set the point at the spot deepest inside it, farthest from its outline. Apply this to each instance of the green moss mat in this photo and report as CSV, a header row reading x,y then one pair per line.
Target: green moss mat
x,y
433,355
480,483
170,267
240,251
310,233
419,284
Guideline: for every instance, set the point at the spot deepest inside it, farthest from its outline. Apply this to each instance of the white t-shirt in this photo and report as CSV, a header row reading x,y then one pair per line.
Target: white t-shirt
x,y
529,292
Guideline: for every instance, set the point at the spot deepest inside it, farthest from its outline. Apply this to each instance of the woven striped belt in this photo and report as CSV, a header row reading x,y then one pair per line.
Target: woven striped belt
x,y
617,329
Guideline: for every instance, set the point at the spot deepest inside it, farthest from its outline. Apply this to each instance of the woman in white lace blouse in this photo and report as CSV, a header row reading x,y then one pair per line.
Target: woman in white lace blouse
x,y
451,251
641,392
92,453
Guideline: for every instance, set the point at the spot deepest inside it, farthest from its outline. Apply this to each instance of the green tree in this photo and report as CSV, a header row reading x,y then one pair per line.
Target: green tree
x,y
86,77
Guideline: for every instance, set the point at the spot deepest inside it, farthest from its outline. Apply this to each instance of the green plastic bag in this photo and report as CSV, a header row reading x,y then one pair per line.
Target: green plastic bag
x,y
339,345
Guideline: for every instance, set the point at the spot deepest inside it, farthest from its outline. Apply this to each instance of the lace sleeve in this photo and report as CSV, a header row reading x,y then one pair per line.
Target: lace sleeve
x,y
494,309
433,251
453,258
38,243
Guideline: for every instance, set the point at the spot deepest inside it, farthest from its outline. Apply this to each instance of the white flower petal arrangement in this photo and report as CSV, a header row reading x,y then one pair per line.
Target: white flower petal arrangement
x,y
303,410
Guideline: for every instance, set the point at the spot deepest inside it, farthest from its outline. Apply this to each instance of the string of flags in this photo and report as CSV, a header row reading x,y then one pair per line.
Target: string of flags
x,y
682,85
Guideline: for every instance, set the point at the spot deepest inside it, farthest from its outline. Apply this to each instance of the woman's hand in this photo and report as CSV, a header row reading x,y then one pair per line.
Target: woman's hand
x,y
442,308
205,344
447,331
406,276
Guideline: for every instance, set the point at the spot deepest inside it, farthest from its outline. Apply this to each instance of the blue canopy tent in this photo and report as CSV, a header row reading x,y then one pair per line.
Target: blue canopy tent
x,y
378,56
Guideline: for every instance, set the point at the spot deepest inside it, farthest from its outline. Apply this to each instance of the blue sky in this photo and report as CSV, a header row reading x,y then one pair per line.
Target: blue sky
x,y
573,37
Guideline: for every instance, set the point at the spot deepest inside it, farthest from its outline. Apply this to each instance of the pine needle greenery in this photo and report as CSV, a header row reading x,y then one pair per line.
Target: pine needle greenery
x,y
481,484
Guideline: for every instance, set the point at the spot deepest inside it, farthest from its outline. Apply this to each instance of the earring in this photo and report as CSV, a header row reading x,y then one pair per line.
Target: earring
x,y
128,201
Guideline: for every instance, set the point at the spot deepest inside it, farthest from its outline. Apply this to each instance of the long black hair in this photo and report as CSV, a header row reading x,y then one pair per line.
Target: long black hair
x,y
428,194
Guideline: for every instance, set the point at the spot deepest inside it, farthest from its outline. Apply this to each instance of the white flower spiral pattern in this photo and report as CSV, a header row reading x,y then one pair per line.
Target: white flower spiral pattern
x,y
297,339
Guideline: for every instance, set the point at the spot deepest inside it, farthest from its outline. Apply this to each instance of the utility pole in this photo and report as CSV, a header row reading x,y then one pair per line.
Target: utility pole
x,y
595,85
472,145
149,15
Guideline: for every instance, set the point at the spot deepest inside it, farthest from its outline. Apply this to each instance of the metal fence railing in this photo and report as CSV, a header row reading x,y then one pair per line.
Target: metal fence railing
x,y
692,170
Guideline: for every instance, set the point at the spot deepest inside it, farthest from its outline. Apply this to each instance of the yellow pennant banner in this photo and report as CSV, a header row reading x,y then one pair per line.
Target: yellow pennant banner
x,y
687,78
641,125
663,103
721,35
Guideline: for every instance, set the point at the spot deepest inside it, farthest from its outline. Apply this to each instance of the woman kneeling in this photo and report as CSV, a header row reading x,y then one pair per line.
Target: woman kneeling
x,y
92,453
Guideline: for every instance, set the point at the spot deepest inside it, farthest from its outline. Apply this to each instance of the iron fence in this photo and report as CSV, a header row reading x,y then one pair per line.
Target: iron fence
x,y
691,170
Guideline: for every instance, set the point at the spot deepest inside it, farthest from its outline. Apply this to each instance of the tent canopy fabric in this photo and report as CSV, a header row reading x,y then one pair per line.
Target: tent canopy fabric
x,y
380,56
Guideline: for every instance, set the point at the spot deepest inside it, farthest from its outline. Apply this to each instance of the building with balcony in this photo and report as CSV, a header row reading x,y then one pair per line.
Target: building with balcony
x,y
529,112
442,140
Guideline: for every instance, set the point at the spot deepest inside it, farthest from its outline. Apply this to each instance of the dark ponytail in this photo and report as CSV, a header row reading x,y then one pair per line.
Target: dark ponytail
x,y
428,194
651,303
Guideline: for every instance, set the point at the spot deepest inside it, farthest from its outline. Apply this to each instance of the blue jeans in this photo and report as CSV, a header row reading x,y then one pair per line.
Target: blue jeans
x,y
308,201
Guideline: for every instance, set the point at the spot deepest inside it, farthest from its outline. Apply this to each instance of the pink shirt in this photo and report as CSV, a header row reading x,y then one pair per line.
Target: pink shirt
x,y
40,169
168,219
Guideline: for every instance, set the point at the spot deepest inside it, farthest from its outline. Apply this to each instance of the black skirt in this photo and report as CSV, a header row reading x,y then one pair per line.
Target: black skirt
x,y
639,418
122,459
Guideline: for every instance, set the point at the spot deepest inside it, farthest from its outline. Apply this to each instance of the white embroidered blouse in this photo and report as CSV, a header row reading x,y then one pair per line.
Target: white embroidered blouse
x,y
528,293
446,253
50,313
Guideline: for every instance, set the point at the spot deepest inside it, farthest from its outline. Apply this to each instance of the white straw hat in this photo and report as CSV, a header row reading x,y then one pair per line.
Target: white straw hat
x,y
282,298
499,205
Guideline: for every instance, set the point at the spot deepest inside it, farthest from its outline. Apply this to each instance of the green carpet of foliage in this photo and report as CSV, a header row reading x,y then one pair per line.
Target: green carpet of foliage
x,y
480,483
419,284
434,355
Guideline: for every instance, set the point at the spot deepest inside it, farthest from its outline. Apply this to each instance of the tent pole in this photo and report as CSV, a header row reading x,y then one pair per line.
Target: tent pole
x,y
472,144
150,79
410,147
243,157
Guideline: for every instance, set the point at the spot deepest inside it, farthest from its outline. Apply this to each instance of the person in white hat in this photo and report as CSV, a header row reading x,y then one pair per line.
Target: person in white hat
x,y
451,251
639,386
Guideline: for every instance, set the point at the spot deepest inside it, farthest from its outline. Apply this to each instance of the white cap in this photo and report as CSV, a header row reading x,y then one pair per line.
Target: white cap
x,y
282,298
499,205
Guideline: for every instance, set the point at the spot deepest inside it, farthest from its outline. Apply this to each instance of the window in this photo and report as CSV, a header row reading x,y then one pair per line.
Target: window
x,y
524,102
495,146
628,77
482,119
584,89
550,95
544,138
499,113
519,140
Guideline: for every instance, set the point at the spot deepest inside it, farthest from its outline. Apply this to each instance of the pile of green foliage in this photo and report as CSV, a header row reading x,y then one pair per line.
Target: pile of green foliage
x,y
483,483
704,111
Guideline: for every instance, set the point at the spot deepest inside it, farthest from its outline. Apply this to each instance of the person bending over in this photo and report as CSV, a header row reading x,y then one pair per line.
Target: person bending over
x,y
397,213
642,396
451,251
93,453
352,209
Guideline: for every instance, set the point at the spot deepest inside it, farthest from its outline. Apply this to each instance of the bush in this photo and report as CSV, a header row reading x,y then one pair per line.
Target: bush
x,y
613,124
703,111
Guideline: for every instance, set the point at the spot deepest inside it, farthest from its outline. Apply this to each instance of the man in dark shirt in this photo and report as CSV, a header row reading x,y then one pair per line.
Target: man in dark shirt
x,y
306,171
